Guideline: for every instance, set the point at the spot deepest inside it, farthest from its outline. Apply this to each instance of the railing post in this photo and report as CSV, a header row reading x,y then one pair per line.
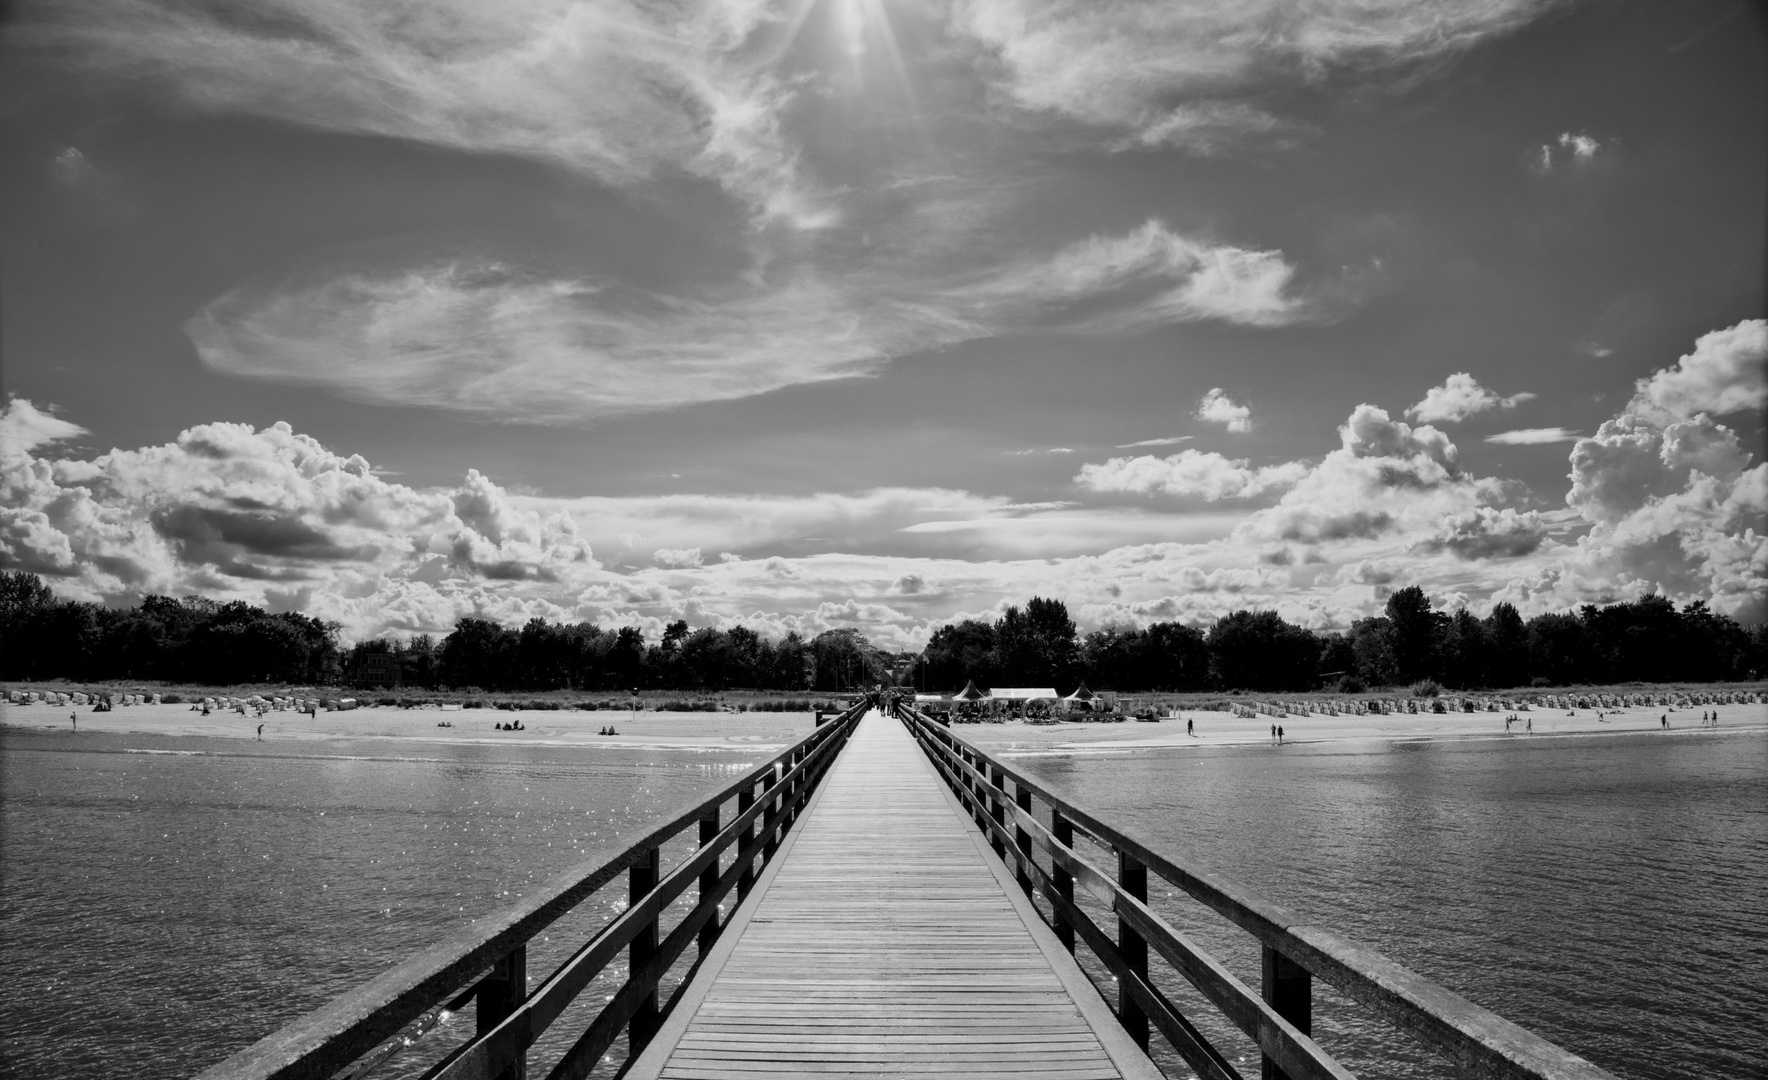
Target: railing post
x,y
997,806
501,993
1063,830
641,879
1133,877
746,880
1289,990
1021,838
709,882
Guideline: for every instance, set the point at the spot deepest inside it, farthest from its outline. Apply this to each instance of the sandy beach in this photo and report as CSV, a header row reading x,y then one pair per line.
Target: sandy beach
x,y
766,731
1213,728
637,731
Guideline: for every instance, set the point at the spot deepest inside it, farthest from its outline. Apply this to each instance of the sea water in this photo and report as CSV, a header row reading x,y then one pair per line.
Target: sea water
x,y
166,901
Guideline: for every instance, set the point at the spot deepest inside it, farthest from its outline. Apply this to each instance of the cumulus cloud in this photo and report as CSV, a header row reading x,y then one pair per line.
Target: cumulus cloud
x,y
1726,373
676,558
1385,477
1673,499
484,338
1172,73
1459,397
1484,533
229,510
24,427
1217,408
1189,473
615,91
1533,436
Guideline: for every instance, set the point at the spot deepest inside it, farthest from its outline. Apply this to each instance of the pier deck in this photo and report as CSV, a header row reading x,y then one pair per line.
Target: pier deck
x,y
887,940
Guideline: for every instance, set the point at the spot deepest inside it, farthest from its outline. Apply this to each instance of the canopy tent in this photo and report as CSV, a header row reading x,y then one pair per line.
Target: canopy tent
x,y
1023,693
969,693
1081,693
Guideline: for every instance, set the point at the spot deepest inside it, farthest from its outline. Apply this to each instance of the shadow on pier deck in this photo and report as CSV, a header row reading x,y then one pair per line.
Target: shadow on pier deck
x,y
888,925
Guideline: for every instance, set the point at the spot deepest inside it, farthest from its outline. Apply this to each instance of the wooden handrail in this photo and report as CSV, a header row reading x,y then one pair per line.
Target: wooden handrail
x,y
335,1035
1481,1042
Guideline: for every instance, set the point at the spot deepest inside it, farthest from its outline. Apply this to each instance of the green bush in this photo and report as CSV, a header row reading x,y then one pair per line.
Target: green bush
x,y
1427,688
171,699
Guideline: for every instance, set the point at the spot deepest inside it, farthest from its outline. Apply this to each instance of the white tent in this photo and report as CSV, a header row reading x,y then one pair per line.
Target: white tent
x,y
1023,693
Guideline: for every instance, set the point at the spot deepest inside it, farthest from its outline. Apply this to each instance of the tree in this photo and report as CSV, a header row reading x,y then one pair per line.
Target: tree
x,y
1507,643
1414,634
1257,650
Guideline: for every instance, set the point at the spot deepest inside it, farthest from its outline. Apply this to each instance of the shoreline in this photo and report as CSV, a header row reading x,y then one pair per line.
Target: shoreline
x,y
758,732
1222,729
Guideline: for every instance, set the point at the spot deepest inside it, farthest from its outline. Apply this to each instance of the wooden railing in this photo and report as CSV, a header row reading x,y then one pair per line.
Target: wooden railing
x,y
1278,1018
489,958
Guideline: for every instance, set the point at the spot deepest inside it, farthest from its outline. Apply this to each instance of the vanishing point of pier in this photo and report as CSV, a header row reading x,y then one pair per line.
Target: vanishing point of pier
x,y
906,905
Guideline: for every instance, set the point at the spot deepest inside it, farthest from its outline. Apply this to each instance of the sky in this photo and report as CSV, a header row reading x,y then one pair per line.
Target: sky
x,y
805,314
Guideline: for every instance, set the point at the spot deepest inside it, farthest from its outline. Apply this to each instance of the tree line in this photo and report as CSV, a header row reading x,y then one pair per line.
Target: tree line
x,y
1645,640
195,640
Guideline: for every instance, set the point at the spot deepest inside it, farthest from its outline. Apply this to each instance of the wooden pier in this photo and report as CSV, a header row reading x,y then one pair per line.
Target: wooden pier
x,y
884,943
907,906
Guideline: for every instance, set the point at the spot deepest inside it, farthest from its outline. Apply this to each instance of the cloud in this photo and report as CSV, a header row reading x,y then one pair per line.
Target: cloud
x,y
1386,477
1208,127
488,339
1484,533
24,427
1216,408
1169,73
485,339
1533,436
1460,397
1726,373
1573,149
676,558
1172,440
1189,473
614,91
232,511
1156,275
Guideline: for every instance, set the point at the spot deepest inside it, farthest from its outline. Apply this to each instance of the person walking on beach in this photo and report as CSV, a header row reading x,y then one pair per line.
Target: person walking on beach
x,y
1529,728
1187,727
1664,720
75,717
1279,734
1273,732
260,732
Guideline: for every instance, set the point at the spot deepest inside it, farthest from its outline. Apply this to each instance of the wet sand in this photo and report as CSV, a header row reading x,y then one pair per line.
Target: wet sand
x,y
1212,728
637,731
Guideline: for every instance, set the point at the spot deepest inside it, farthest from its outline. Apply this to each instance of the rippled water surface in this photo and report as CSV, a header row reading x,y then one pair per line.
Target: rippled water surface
x,y
160,909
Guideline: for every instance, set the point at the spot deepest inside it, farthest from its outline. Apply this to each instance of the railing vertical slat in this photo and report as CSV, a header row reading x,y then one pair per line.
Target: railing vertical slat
x,y
1063,830
746,799
773,804
1133,877
501,993
709,881
1021,838
1289,989
997,798
641,879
